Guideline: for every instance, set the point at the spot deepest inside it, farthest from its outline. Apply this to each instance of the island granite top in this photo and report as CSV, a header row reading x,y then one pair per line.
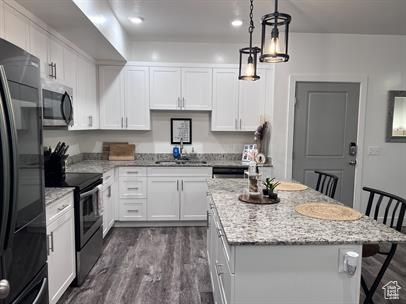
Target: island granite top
x,y
280,224
54,194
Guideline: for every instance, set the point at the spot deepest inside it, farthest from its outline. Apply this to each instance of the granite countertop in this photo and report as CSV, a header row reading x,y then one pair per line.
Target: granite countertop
x,y
102,166
280,224
53,194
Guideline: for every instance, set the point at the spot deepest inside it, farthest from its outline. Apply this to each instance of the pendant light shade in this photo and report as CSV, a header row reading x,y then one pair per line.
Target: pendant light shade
x,y
249,55
274,38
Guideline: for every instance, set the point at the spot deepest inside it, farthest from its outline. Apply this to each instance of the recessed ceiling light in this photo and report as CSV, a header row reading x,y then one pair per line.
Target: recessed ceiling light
x,y
236,23
97,19
136,20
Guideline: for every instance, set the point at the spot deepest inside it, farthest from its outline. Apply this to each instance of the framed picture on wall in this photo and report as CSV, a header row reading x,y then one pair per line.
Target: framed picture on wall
x,y
181,128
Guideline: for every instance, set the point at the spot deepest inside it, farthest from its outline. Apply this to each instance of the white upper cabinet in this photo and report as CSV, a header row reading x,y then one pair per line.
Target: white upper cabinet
x,y
238,104
16,27
165,88
136,98
39,43
56,58
252,98
70,69
85,107
197,89
111,87
225,100
124,97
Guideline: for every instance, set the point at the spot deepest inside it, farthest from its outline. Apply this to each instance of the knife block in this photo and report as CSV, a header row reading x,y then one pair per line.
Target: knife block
x,y
54,169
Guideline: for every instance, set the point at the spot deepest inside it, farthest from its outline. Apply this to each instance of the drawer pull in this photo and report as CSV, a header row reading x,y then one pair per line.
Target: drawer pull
x,y
219,269
132,188
135,211
220,232
132,172
62,208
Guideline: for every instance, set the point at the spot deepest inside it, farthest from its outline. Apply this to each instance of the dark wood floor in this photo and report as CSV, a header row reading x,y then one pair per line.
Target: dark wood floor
x,y
395,272
148,266
169,266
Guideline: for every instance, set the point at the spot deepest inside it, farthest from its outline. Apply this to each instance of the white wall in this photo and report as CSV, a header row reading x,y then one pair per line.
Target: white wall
x,y
158,139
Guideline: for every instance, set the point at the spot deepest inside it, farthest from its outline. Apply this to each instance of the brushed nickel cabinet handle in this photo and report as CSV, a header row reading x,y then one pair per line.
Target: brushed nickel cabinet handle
x,y
240,123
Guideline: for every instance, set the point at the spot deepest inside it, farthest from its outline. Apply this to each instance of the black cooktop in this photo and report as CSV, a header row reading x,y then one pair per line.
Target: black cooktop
x,y
79,181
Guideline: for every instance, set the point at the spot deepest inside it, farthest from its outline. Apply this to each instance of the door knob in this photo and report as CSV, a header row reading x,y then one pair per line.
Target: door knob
x,y
352,162
4,289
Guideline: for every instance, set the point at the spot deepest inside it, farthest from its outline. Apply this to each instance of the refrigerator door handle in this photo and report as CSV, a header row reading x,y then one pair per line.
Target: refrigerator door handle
x,y
40,294
13,155
5,153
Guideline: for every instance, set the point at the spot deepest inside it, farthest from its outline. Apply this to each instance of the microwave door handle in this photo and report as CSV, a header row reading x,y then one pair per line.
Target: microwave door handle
x,y
66,98
12,158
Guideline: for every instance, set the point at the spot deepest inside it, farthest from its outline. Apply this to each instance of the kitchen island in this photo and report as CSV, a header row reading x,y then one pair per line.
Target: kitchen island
x,y
261,254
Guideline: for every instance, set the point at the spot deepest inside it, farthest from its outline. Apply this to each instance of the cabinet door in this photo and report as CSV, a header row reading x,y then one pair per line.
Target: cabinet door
x,y
252,97
136,98
165,88
197,88
56,57
69,71
80,102
108,209
193,204
225,100
163,199
16,27
111,97
39,47
92,95
61,260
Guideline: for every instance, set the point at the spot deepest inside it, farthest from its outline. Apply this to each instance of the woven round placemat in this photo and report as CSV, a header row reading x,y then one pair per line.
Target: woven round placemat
x,y
285,186
328,211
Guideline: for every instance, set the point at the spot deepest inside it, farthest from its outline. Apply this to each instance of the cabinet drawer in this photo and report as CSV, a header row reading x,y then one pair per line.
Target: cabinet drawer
x,y
133,210
225,278
133,187
223,244
132,171
58,208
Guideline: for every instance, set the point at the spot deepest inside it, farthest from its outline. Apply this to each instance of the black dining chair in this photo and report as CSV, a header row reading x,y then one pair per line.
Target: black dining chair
x,y
326,183
393,209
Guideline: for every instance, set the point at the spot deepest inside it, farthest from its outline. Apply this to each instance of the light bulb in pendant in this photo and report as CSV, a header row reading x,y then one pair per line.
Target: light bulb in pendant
x,y
249,70
274,47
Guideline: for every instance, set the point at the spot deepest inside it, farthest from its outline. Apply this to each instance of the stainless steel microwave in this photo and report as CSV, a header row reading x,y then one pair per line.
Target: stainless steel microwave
x,y
57,105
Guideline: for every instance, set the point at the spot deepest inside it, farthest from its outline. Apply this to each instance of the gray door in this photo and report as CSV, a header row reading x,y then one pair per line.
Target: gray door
x,y
326,119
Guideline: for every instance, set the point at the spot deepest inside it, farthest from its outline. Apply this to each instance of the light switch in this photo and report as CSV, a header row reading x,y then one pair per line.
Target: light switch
x,y
374,150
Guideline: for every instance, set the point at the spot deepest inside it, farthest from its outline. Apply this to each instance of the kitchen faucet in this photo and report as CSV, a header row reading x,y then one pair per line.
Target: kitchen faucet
x,y
181,147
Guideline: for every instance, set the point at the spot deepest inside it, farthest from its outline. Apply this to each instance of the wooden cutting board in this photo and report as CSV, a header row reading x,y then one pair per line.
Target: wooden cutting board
x,y
121,152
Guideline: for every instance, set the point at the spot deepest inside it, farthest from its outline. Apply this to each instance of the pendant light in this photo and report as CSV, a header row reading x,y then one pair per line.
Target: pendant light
x,y
248,70
274,38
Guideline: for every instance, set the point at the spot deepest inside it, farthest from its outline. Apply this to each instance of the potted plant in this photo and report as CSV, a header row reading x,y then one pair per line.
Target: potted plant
x,y
270,185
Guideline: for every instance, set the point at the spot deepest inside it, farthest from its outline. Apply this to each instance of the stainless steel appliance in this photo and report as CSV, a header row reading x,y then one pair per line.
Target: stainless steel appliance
x,y
57,104
228,171
23,246
88,219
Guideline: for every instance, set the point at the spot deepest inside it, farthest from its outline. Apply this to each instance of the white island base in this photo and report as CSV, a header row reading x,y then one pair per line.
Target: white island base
x,y
306,274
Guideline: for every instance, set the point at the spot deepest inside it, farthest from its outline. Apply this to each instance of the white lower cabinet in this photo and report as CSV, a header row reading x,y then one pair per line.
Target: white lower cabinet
x,y
163,198
61,246
193,198
108,197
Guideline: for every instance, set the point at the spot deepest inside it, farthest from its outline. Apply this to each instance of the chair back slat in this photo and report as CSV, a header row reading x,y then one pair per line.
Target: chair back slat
x,y
388,205
386,200
326,183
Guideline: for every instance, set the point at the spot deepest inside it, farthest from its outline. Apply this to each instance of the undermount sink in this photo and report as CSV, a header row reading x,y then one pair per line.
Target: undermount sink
x,y
181,162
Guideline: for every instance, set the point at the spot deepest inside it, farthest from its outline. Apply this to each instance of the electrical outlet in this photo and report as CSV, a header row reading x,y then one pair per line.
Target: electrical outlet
x,y
374,150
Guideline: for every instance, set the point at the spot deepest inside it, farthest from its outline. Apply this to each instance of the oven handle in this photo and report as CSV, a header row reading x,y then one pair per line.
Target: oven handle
x,y
88,193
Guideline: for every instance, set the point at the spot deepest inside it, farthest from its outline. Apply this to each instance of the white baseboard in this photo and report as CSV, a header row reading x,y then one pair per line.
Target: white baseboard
x,y
161,224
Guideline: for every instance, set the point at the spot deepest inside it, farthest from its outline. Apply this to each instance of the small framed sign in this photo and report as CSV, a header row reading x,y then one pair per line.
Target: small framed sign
x,y
181,128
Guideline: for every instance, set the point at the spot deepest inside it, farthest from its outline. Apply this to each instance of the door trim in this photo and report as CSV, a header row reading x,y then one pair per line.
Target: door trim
x,y
354,78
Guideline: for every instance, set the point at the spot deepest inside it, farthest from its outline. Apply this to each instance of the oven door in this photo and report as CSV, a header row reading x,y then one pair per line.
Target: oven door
x,y
89,215
57,108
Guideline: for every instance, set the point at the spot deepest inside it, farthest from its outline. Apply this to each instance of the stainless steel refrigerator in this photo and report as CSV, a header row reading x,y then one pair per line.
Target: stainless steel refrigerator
x,y
23,247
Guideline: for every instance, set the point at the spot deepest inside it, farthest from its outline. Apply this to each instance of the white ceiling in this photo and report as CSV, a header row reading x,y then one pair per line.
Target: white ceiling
x,y
67,19
209,20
